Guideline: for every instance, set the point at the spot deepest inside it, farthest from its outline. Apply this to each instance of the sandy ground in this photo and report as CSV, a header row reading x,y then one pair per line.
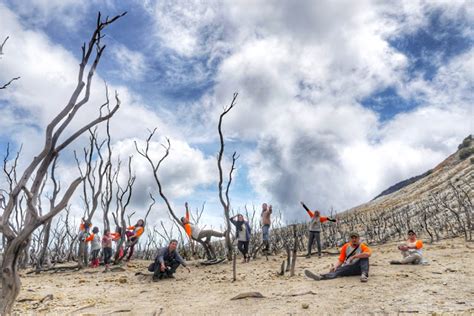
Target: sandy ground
x,y
446,285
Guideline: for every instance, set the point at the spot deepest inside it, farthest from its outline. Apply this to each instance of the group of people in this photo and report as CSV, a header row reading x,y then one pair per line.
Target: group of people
x,y
353,258
132,235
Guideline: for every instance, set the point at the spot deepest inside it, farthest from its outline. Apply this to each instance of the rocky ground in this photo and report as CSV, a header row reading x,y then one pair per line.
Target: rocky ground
x,y
446,285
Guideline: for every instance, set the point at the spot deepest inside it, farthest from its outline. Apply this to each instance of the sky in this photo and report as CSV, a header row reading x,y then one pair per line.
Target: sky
x,y
338,100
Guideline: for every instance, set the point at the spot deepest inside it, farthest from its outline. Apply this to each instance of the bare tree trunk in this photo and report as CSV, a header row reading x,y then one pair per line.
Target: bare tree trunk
x,y
295,245
234,267
16,241
226,203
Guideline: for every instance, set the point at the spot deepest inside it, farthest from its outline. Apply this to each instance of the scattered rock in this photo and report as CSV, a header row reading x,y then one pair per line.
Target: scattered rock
x,y
305,306
248,295
48,297
82,281
122,280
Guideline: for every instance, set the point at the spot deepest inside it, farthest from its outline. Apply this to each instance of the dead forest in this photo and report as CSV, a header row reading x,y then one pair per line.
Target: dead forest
x,y
40,230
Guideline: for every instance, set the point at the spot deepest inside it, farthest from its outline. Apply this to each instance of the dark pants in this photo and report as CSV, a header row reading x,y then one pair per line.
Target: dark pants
x,y
312,237
266,237
133,241
243,247
170,269
361,266
107,251
95,254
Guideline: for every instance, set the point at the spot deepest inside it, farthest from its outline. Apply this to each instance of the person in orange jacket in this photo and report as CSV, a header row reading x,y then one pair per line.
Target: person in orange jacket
x,y
133,234
195,233
203,236
315,229
353,260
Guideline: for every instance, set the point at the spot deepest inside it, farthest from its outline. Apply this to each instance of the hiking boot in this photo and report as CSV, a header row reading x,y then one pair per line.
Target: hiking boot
x,y
308,257
364,278
311,275
395,262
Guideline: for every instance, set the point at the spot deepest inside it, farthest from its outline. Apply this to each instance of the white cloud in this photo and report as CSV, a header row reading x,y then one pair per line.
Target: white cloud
x,y
132,64
301,70
42,12
48,77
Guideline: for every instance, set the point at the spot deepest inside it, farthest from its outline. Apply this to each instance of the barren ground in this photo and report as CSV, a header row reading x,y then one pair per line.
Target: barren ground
x,y
446,285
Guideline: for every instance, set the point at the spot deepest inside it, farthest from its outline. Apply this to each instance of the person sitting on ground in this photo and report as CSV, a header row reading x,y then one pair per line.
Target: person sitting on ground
x,y
195,233
411,250
353,260
167,261
266,222
133,234
243,231
107,247
94,238
315,229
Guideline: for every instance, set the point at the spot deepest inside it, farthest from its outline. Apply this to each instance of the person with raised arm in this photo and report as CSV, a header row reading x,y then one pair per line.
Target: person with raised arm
x,y
315,229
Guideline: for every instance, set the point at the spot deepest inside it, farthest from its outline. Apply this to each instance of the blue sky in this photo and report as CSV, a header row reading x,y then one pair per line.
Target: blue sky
x,y
337,100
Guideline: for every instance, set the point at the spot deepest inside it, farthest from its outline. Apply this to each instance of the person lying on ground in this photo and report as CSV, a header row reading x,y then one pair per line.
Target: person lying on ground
x,y
242,234
353,260
167,261
315,229
410,250
133,234
195,233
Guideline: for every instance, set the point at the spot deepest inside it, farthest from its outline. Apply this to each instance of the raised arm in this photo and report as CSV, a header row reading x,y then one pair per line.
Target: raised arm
x,y
311,214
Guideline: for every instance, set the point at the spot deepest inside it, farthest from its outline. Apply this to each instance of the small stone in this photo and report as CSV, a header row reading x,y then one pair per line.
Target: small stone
x,y
305,306
444,283
82,281
122,280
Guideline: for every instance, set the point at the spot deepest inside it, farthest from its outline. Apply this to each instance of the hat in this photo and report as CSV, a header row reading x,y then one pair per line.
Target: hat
x,y
354,234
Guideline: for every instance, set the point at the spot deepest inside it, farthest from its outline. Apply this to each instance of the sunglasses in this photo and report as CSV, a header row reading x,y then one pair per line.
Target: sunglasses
x,y
354,237
411,234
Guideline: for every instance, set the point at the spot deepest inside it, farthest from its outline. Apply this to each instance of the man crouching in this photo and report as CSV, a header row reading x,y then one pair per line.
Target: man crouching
x,y
166,262
353,260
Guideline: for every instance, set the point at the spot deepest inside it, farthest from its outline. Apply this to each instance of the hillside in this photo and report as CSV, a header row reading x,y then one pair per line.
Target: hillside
x,y
458,169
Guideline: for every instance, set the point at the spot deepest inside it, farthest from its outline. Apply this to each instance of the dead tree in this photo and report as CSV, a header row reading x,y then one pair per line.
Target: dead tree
x,y
155,166
123,197
224,197
41,163
93,170
4,86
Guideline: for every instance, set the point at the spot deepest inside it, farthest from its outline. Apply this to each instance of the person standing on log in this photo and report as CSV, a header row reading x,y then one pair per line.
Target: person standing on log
x,y
315,229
